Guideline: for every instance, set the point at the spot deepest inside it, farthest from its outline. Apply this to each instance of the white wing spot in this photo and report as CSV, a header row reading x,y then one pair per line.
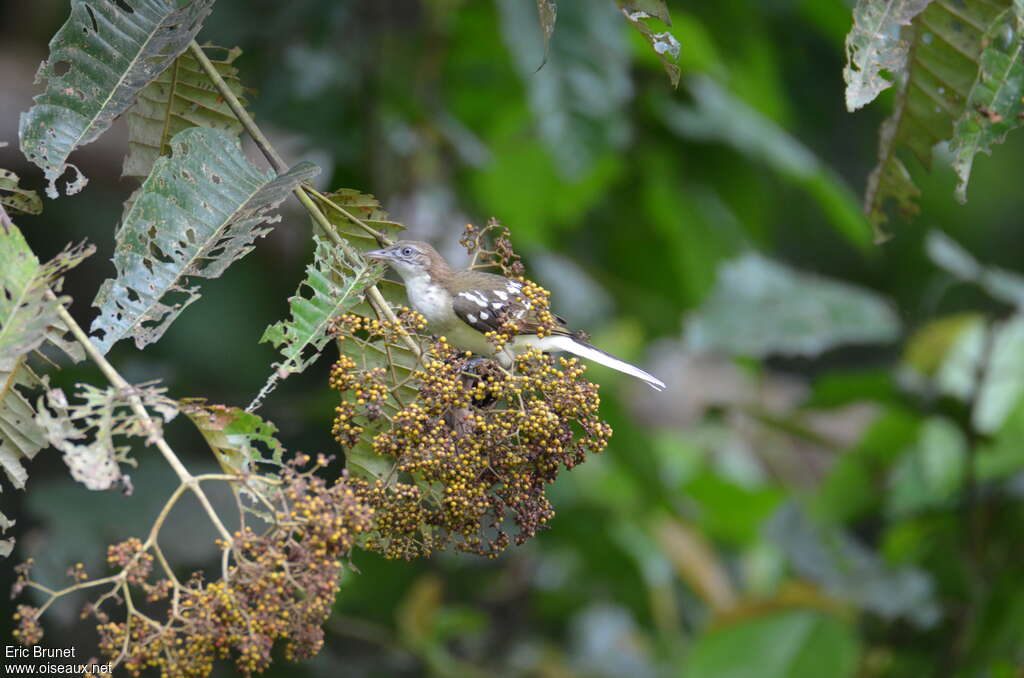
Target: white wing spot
x,y
484,316
496,305
471,317
501,295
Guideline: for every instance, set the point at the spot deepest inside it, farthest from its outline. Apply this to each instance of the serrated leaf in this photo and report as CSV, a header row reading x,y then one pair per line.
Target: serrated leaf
x,y
367,209
198,212
85,430
664,44
27,311
16,199
994,105
874,47
759,307
100,59
238,438
336,283
179,98
946,41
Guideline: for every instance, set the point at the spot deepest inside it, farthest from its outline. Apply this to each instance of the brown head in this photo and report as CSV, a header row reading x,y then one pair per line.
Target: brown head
x,y
413,259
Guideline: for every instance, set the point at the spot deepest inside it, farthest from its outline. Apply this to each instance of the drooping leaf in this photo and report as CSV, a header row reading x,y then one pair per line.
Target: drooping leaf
x,y
850,571
995,104
1006,286
198,212
100,59
28,311
720,116
16,199
759,307
84,431
782,643
578,99
547,12
336,283
875,50
180,97
20,437
664,44
237,438
946,41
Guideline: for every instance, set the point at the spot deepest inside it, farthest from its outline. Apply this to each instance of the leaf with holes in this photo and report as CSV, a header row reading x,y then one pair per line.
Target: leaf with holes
x,y
198,212
15,199
664,44
85,431
100,59
946,43
875,49
28,312
181,97
336,282
20,437
994,105
367,209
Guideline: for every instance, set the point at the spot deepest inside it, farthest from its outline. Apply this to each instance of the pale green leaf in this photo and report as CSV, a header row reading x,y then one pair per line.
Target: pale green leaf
x,y
28,311
795,643
85,431
720,116
639,13
181,97
995,104
759,307
15,199
946,41
1006,286
335,283
930,474
875,48
198,212
100,59
848,570
238,438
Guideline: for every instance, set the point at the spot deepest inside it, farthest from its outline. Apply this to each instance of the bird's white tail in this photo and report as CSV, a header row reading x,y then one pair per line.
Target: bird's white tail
x,y
561,342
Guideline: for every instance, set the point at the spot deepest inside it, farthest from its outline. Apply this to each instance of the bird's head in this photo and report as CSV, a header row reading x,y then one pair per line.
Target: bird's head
x,y
411,259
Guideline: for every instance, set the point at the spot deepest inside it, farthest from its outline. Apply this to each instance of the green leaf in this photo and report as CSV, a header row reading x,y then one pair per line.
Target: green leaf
x,y
930,473
994,104
722,117
27,310
237,438
874,47
946,41
20,437
85,431
100,59
336,282
578,98
759,307
946,253
15,199
848,570
781,644
179,98
664,44
198,212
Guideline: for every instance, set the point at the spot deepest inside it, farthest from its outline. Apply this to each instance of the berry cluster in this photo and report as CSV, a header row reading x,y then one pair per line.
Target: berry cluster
x,y
462,449
279,586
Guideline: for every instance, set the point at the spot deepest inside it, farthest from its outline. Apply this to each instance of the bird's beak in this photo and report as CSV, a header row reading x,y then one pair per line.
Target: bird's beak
x,y
377,255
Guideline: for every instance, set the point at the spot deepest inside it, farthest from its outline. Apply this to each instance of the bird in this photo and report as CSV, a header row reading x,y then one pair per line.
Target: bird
x,y
462,305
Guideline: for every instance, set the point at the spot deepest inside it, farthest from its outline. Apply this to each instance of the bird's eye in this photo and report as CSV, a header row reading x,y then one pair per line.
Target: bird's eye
x,y
406,251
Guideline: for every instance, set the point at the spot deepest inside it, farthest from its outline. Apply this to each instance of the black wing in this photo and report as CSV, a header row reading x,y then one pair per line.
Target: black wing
x,y
486,307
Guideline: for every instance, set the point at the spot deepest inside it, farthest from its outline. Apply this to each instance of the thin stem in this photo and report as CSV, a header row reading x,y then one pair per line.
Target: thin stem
x,y
373,294
382,239
137,406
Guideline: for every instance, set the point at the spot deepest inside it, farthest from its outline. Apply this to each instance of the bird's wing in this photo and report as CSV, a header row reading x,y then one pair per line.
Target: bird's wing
x,y
486,307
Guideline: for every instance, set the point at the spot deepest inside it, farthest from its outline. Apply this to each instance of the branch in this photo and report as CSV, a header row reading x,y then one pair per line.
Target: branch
x,y
376,299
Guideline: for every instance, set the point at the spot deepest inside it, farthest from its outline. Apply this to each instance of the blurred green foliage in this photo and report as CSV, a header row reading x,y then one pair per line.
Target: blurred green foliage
x,y
849,510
